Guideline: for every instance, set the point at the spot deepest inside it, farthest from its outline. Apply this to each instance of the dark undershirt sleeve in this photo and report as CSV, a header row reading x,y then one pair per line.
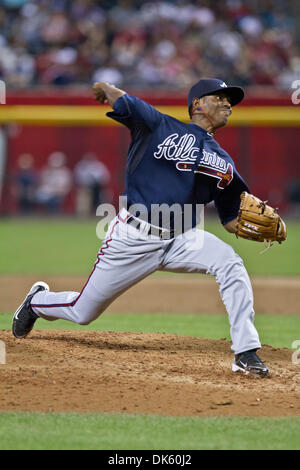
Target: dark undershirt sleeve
x,y
227,201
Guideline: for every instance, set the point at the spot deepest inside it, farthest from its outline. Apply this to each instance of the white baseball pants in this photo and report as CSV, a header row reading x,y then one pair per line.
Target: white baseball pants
x,y
128,255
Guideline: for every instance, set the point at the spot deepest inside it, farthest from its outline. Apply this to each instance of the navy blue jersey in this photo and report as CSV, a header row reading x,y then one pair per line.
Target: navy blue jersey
x,y
175,163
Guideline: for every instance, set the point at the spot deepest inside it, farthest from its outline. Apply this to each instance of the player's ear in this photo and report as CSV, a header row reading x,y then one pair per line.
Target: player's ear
x,y
196,105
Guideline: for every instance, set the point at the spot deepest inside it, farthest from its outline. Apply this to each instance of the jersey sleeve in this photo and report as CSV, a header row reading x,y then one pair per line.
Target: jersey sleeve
x,y
132,111
227,201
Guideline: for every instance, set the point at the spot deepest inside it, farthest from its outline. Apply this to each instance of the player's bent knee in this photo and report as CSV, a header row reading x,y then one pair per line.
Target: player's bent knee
x,y
233,261
85,322
225,261
225,256
232,267
85,318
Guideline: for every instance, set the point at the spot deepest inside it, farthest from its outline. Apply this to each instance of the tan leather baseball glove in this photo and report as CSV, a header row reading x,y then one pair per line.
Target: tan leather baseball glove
x,y
259,222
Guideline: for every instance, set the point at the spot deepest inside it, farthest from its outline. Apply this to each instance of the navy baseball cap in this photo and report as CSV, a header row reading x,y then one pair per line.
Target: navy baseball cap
x,y
211,86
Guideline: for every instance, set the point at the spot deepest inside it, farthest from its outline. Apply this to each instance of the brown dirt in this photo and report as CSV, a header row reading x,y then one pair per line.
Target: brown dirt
x,y
146,373
141,373
167,294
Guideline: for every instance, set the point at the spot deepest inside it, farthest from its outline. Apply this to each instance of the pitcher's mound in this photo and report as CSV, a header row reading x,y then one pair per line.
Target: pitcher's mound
x,y
141,373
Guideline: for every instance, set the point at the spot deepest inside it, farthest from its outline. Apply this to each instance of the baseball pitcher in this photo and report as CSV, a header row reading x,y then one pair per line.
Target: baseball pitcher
x,y
180,165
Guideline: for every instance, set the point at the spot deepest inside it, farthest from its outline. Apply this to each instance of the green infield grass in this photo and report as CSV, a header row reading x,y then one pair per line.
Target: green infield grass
x,y
72,431
275,330
69,246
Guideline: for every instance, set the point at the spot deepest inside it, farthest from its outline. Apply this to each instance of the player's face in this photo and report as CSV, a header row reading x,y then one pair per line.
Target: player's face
x,y
218,108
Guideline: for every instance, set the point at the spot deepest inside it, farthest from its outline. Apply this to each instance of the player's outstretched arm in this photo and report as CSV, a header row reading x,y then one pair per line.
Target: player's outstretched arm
x,y
107,93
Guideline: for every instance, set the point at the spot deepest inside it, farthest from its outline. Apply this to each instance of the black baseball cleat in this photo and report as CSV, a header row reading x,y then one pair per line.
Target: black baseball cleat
x,y
249,363
25,318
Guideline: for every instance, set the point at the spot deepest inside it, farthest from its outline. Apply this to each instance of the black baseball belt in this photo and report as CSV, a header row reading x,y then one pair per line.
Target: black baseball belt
x,y
160,232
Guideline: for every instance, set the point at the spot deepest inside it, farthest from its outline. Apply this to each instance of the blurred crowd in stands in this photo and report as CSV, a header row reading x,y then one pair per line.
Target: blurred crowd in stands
x,y
56,189
45,192
142,44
